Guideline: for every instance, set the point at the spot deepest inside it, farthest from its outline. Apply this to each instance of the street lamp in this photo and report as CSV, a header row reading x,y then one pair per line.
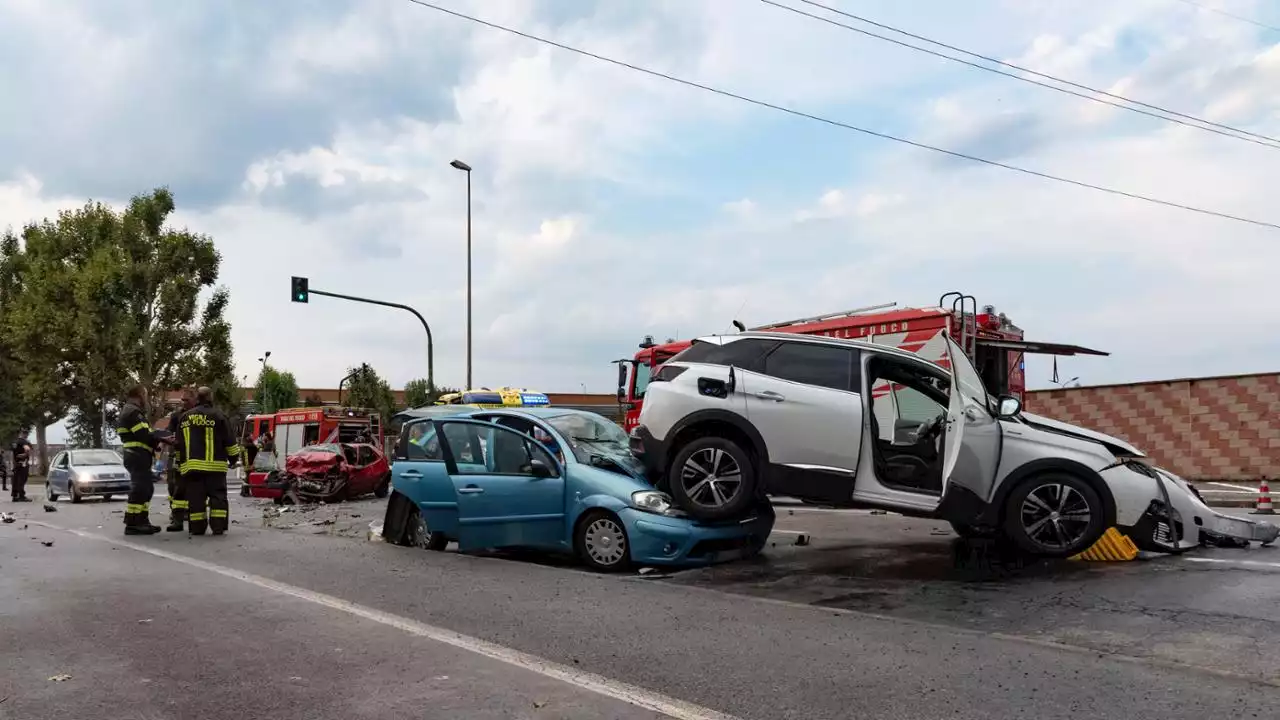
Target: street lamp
x,y
459,165
263,359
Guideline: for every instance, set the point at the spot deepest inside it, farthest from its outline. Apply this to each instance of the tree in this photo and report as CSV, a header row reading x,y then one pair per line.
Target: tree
x,y
313,399
276,390
419,392
367,390
111,298
33,394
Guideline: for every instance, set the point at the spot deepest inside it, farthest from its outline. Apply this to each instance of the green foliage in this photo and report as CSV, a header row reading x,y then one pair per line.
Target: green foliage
x,y
419,393
275,390
100,299
367,390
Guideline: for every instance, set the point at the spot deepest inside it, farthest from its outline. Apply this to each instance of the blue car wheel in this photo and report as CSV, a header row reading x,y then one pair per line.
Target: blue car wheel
x,y
601,541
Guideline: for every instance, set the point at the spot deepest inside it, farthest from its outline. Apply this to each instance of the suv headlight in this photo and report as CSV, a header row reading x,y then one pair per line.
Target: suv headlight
x,y
653,501
84,477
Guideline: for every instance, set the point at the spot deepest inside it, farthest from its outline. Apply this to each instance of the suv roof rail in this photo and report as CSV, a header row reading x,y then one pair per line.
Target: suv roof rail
x,y
828,316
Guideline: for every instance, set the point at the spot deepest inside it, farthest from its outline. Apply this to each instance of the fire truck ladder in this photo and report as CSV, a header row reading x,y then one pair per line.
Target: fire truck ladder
x,y
829,316
968,320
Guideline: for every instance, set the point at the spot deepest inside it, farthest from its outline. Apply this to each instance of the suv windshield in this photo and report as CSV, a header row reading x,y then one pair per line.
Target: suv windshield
x,y
95,457
588,434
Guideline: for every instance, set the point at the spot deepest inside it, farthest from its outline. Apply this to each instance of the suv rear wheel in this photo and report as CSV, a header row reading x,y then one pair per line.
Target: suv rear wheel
x,y
713,478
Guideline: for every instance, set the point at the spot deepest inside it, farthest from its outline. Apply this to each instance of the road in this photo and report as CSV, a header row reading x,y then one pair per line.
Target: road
x,y
871,617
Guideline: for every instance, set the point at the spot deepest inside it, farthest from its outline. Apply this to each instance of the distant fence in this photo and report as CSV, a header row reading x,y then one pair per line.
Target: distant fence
x,y
1212,428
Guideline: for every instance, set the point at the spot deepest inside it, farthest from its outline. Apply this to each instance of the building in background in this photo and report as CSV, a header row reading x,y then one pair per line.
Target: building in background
x,y
1210,428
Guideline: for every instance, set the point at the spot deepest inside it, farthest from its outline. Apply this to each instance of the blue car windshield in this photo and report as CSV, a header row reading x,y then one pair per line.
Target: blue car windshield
x,y
590,434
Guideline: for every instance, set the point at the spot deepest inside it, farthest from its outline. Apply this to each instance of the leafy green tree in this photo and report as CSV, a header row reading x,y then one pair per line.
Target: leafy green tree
x,y
112,298
276,390
419,392
367,389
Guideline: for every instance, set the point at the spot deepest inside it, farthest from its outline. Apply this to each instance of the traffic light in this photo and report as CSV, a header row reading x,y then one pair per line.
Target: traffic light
x,y
300,292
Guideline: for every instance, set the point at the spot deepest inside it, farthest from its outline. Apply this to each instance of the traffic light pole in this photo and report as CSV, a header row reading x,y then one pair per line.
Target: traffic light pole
x,y
431,353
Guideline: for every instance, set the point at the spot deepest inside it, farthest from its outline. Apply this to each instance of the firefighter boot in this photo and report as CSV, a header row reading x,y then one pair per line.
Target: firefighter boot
x,y
136,521
177,515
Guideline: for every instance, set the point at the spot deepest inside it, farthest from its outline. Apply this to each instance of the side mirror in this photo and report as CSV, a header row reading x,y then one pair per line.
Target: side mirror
x,y
1009,407
539,469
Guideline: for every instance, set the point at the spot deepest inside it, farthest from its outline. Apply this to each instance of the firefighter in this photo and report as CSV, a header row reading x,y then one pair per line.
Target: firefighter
x,y
209,449
173,478
21,450
139,451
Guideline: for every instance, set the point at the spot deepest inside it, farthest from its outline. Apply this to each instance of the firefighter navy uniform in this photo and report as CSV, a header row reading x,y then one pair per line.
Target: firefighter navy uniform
x,y
208,449
139,452
173,479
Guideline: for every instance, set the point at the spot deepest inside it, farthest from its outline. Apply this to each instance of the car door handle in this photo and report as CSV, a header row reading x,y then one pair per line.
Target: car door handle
x,y
770,395
470,490
411,474
973,414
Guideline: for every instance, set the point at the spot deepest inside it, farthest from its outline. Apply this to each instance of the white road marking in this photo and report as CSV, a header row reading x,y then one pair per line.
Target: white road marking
x,y
656,702
1244,563
1243,489
789,532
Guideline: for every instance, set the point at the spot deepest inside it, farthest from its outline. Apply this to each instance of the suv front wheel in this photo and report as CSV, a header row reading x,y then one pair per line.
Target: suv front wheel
x,y
713,478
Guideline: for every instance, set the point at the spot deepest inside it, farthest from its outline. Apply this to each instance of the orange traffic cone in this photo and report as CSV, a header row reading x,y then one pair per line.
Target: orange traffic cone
x,y
1264,499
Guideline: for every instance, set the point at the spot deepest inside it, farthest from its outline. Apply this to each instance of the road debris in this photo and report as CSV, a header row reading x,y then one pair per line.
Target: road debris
x,y
879,512
50,507
375,532
47,543
60,678
8,517
144,621
802,539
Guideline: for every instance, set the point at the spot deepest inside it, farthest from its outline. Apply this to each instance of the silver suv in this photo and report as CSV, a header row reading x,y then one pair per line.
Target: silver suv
x,y
735,418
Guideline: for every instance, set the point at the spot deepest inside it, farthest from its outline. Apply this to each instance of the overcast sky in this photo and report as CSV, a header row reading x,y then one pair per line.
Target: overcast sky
x,y
313,137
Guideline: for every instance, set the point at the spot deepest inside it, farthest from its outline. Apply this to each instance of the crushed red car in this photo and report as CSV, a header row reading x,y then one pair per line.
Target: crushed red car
x,y
323,473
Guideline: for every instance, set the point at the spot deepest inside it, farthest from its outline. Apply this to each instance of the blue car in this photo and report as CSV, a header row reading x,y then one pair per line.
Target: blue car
x,y
547,478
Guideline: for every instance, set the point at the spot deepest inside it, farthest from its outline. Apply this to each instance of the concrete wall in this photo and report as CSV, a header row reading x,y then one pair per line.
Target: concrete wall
x,y
1213,428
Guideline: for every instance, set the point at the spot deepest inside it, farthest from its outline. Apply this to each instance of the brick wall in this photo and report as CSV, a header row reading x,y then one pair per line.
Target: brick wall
x,y
1213,428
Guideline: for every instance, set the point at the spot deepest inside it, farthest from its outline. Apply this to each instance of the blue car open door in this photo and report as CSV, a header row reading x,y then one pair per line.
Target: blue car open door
x,y
510,491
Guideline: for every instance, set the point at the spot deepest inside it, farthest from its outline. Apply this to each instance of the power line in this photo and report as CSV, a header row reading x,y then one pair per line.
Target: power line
x,y
839,124
1195,122
1231,15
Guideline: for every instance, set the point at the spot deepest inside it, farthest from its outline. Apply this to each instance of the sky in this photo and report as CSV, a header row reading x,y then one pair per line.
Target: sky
x,y
313,138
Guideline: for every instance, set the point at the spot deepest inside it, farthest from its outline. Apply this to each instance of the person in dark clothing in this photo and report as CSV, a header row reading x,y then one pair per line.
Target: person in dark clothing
x,y
21,468
4,472
209,449
173,478
268,444
140,443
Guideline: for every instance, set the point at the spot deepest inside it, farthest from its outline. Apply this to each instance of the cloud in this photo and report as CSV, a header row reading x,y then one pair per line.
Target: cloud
x,y
318,144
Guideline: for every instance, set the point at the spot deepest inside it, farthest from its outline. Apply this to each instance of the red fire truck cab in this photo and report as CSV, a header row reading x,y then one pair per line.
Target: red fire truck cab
x,y
992,341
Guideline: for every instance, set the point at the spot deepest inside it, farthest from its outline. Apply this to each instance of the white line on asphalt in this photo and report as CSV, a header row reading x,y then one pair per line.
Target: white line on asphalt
x,y
657,702
1235,488
1244,563
789,532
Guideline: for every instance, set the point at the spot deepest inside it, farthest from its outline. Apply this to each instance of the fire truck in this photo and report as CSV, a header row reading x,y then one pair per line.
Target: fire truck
x,y
296,428
994,344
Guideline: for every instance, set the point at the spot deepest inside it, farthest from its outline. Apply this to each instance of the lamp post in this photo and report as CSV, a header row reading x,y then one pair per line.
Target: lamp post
x,y
459,165
264,358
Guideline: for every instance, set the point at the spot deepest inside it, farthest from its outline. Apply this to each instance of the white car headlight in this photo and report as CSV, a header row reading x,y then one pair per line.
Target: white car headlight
x,y
85,477
652,501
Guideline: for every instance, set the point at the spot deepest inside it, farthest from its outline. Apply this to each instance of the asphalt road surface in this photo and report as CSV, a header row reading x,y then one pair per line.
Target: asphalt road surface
x,y
871,618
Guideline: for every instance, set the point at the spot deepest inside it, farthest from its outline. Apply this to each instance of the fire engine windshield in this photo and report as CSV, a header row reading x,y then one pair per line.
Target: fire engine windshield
x,y
642,373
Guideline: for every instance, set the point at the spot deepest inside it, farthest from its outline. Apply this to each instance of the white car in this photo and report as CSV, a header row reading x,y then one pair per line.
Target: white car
x,y
854,424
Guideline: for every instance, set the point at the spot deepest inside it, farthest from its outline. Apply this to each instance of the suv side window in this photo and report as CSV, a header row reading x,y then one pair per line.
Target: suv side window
x,y
813,364
744,353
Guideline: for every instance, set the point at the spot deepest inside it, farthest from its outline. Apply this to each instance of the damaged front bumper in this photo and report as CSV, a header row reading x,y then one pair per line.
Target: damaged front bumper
x,y
1177,519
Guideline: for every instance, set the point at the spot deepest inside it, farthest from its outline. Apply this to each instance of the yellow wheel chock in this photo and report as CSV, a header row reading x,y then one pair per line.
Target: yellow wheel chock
x,y
1113,546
